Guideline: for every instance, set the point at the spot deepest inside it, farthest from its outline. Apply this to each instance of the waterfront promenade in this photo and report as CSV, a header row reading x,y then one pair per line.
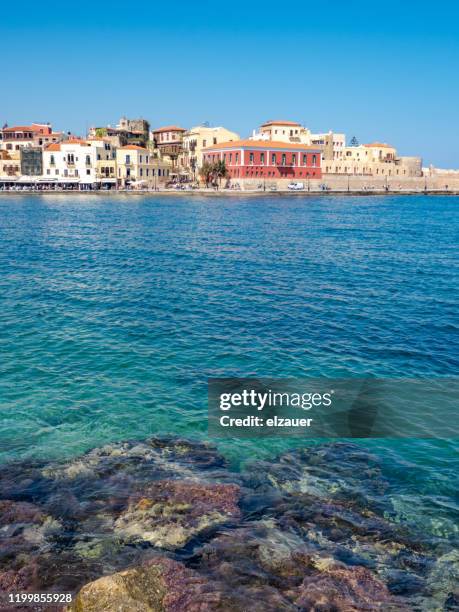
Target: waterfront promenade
x,y
339,185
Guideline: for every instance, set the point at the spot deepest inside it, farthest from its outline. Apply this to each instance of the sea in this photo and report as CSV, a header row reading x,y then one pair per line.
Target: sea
x,y
117,308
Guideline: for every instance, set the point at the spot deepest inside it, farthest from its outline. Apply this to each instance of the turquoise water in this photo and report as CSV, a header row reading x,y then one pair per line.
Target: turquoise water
x,y
116,310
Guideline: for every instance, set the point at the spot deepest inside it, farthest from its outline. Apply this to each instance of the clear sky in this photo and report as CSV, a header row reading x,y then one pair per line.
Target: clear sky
x,y
385,71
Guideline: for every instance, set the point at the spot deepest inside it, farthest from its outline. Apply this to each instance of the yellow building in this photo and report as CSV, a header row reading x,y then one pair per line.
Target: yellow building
x,y
139,168
374,159
197,139
374,152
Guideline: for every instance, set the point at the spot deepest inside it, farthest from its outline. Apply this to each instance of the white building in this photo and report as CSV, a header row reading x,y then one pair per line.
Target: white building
x,y
84,164
282,131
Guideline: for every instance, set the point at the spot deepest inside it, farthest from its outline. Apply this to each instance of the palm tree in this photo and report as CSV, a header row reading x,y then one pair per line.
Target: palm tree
x,y
206,171
220,170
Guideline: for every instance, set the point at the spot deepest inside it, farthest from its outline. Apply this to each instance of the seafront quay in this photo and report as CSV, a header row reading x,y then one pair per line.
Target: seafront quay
x,y
329,185
281,156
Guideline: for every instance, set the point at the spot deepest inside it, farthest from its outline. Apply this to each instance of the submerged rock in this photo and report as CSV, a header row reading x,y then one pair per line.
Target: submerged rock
x,y
315,529
340,588
329,471
169,513
159,585
25,532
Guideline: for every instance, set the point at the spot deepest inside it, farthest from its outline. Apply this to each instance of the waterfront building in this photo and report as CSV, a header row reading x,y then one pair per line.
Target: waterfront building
x,y
35,135
31,161
374,159
168,141
197,139
10,166
83,164
272,160
138,167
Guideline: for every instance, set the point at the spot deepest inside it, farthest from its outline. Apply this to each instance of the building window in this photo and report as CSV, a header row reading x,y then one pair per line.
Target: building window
x,y
88,171
251,158
273,159
128,159
284,159
141,172
293,159
88,160
314,160
215,141
237,158
140,159
262,158
305,160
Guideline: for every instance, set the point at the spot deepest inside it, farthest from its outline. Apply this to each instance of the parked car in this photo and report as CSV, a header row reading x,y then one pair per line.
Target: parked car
x,y
296,186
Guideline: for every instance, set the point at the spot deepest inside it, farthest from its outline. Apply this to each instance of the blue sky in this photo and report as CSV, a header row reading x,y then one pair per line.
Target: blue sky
x,y
379,71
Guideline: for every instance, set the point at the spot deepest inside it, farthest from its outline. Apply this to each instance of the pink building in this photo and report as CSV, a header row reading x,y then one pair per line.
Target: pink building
x,y
251,159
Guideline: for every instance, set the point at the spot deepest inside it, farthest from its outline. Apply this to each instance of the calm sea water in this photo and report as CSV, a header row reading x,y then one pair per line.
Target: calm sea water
x,y
116,310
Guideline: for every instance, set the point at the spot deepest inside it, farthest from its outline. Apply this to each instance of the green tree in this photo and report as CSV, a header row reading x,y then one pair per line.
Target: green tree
x,y
220,170
206,171
101,132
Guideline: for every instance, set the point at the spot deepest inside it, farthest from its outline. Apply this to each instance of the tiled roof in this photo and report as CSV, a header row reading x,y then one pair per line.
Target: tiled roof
x,y
56,146
289,123
21,128
76,141
170,128
261,144
134,147
379,144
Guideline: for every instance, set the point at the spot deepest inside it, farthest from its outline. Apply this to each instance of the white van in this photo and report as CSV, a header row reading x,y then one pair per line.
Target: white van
x,y
296,186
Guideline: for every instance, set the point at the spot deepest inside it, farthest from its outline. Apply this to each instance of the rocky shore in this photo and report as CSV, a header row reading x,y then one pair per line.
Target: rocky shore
x,y
165,525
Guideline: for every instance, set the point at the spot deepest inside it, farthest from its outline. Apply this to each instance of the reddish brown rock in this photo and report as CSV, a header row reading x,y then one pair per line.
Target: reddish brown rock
x,y
159,585
169,513
345,589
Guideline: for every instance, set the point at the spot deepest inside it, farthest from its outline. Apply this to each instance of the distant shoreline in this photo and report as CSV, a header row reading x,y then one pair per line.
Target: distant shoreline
x,y
231,193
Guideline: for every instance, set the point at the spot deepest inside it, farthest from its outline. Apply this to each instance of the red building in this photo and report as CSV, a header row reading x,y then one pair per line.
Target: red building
x,y
247,159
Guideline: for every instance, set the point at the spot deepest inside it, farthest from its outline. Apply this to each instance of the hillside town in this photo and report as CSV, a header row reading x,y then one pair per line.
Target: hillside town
x,y
132,156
